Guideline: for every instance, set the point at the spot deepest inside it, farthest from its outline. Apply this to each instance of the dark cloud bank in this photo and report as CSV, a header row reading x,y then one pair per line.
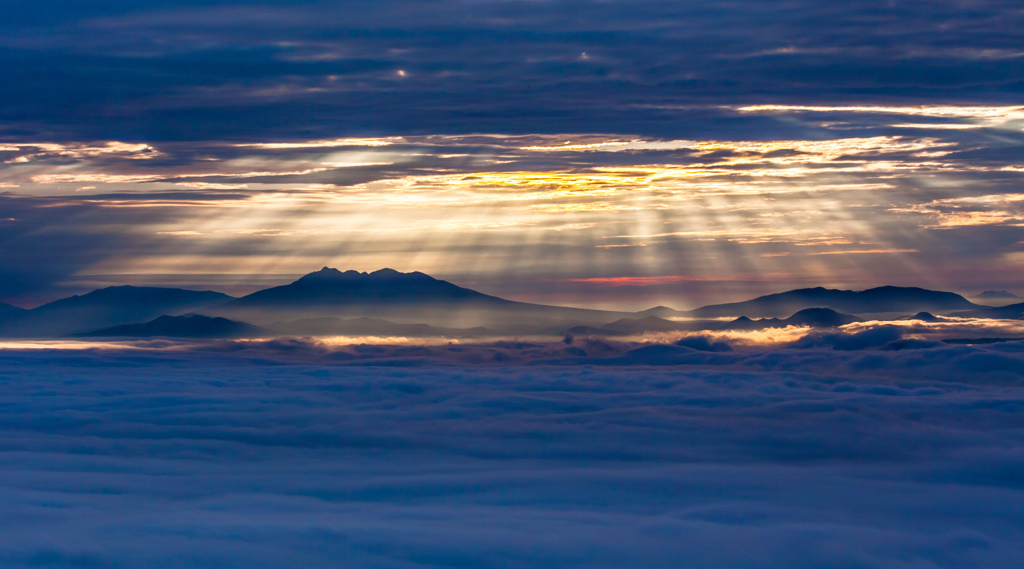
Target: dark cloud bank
x,y
271,456
209,70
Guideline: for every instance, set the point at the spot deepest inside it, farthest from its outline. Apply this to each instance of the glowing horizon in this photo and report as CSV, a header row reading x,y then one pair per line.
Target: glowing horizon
x,y
611,209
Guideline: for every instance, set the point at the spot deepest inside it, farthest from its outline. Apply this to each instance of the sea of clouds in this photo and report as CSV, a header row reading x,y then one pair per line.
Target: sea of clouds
x,y
844,452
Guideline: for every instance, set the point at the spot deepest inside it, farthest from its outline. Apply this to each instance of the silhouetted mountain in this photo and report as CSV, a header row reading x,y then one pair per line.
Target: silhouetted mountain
x,y
6,308
660,312
103,308
191,326
923,316
813,317
331,287
400,297
875,300
996,295
371,327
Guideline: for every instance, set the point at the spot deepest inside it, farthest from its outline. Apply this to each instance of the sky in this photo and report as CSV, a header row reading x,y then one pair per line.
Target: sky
x,y
615,154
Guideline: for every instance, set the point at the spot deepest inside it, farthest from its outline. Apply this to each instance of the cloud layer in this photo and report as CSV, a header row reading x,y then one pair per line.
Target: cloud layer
x,y
114,458
210,70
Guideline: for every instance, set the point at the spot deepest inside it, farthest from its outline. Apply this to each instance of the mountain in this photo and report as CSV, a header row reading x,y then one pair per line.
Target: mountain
x,y
1008,312
103,308
8,308
996,295
400,298
660,312
813,317
371,327
331,287
191,326
875,300
923,316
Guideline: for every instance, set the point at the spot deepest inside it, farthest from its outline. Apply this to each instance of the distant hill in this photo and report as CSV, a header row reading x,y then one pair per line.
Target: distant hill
x,y
400,298
370,327
103,308
191,326
875,300
813,317
924,317
660,312
1008,312
996,295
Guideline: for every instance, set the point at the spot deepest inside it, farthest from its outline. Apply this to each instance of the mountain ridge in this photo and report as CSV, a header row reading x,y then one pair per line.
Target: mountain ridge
x,y
403,298
417,304
187,326
105,307
331,286
6,308
812,317
880,299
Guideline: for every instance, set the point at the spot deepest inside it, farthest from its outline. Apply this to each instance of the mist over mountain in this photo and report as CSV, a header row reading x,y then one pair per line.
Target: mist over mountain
x,y
403,298
191,326
391,303
996,295
876,300
1008,312
364,326
634,326
103,308
812,317
996,298
660,312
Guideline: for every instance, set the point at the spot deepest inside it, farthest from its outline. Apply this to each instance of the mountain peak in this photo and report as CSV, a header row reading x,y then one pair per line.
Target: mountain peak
x,y
331,289
329,274
105,307
875,300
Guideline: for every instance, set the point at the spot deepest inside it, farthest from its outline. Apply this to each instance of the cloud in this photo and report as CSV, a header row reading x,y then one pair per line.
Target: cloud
x,y
290,68
871,338
992,116
740,146
116,457
763,201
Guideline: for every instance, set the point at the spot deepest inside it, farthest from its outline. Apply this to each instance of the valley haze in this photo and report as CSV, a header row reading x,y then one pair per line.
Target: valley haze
x,y
387,303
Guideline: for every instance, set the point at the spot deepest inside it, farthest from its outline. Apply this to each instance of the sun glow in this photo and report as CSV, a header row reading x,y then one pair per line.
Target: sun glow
x,y
477,204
